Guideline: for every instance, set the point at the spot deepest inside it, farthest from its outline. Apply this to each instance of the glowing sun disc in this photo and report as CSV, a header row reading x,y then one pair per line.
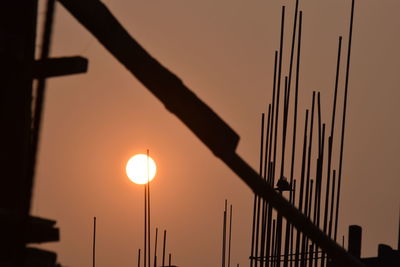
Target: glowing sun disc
x,y
140,169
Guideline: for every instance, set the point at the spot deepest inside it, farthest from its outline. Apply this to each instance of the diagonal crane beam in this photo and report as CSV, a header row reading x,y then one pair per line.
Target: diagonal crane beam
x,y
194,113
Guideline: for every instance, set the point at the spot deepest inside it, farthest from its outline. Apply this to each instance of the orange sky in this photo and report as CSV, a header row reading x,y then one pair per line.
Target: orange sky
x,y
223,51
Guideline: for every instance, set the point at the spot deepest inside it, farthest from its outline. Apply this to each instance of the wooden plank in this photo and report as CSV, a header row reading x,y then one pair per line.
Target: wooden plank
x,y
54,67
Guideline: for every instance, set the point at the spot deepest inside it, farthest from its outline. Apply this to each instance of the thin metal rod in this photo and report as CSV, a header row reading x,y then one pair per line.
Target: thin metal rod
x,y
291,226
311,255
317,204
296,97
311,197
224,236
145,226
264,203
344,116
257,230
336,87
292,50
230,236
289,230
327,198
285,115
319,122
279,216
277,112
274,86
287,234
295,117
298,236
138,258
155,248
273,242
94,242
308,215
332,203
148,213
278,247
164,245
304,237
331,138
278,91
309,155
269,171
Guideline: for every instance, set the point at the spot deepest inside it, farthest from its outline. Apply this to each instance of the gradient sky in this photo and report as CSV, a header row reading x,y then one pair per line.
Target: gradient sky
x,y
223,51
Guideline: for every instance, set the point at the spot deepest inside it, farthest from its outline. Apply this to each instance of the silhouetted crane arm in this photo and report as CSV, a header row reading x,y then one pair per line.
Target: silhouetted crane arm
x,y
194,113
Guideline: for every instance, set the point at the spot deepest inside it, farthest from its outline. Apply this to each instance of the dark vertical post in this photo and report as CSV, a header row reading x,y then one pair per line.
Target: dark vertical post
x,y
292,49
310,251
304,246
354,241
278,226
94,243
278,91
230,237
138,264
334,103
344,115
291,227
41,85
287,232
269,171
224,236
273,243
309,156
318,185
298,236
258,204
332,203
319,121
296,98
145,227
164,244
311,255
17,46
265,204
148,212
155,249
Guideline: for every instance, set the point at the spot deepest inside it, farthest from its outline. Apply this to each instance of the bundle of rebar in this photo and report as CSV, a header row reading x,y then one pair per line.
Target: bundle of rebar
x,y
275,242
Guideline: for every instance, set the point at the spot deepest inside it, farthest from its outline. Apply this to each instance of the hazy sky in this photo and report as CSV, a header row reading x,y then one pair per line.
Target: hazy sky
x,y
223,51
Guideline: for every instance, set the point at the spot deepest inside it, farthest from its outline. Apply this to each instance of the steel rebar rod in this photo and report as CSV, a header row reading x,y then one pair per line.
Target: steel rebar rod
x,y
257,201
224,235
332,203
269,171
230,236
94,243
264,203
298,236
344,117
164,245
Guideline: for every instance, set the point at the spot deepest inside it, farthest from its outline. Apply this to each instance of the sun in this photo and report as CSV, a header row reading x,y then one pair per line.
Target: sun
x,y
141,169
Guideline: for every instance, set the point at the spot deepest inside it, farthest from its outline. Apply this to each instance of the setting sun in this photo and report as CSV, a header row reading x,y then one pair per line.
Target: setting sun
x,y
141,169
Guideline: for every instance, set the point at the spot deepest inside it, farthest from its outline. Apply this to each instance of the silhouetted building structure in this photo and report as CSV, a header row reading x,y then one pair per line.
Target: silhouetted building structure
x,y
387,257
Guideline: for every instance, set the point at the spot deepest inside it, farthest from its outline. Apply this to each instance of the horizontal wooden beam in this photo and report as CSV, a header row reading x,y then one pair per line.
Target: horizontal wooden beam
x,y
54,67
